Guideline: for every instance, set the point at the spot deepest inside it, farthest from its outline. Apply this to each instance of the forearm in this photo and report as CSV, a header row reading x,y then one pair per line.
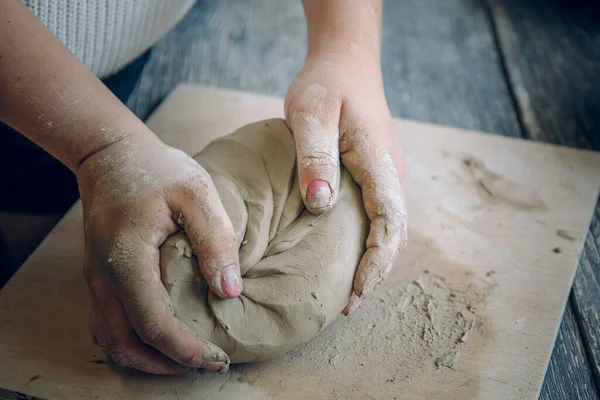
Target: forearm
x,y
344,26
52,98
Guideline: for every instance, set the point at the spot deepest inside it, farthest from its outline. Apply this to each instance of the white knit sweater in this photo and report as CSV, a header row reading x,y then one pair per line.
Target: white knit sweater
x,y
106,35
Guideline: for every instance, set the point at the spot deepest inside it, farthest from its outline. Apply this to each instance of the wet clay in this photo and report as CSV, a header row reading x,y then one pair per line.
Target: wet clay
x,y
297,268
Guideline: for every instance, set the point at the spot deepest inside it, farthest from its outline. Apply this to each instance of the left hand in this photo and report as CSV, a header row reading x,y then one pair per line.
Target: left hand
x,y
336,107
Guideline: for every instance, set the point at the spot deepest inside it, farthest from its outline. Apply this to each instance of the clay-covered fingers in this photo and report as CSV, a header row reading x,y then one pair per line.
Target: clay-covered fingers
x,y
313,116
375,162
134,271
198,209
113,333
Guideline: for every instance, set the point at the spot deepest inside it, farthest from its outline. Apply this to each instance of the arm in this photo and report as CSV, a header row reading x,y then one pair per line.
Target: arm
x,y
345,27
135,192
51,98
336,108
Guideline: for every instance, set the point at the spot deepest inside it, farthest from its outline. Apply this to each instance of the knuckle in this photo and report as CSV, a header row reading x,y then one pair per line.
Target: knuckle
x,y
118,353
390,212
310,97
188,359
194,187
151,332
317,159
192,193
122,358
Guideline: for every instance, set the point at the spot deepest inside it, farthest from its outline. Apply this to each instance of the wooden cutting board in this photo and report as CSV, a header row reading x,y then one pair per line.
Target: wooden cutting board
x,y
470,311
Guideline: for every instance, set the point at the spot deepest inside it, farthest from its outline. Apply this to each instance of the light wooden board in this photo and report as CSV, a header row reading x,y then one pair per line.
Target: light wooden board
x,y
457,230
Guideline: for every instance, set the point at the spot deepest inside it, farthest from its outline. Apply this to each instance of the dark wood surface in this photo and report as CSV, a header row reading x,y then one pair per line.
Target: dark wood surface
x,y
569,373
10,395
511,67
585,297
551,55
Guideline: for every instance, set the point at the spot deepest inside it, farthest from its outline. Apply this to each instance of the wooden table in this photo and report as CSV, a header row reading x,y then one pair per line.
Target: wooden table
x,y
525,69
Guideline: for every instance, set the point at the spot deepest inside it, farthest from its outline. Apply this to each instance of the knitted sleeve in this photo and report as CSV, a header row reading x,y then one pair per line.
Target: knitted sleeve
x,y
106,35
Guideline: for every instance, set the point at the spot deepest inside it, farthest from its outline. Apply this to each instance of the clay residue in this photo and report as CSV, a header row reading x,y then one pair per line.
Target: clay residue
x,y
409,334
496,189
563,234
423,324
433,322
410,331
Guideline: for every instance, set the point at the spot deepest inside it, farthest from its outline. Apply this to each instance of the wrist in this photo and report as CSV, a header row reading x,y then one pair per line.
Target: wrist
x,y
354,45
341,57
349,27
112,141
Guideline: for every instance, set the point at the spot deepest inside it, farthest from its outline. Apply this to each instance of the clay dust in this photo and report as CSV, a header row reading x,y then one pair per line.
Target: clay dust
x,y
405,341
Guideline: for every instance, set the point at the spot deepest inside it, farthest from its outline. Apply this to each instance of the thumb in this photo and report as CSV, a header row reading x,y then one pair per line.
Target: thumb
x,y
212,237
317,150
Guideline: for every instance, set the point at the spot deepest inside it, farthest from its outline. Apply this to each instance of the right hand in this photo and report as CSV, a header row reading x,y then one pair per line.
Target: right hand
x,y
135,193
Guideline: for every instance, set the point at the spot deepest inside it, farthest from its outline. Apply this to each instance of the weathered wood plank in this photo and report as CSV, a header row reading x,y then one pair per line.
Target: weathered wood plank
x,y
571,380
250,45
586,296
10,395
440,65
439,61
553,63
552,60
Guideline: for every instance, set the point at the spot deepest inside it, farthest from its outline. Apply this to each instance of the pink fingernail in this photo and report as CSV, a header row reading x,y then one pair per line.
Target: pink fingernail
x,y
213,366
318,194
230,281
352,304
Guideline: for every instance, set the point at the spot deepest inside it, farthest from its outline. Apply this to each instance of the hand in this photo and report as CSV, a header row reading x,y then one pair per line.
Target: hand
x,y
136,193
336,107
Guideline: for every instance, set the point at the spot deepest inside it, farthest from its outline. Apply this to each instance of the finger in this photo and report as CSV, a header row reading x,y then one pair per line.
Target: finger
x,y
314,118
113,333
375,164
134,269
211,234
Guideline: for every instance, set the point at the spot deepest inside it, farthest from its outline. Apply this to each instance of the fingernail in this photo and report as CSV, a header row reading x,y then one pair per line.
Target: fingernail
x,y
352,304
213,366
318,194
224,368
214,355
230,281
377,276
